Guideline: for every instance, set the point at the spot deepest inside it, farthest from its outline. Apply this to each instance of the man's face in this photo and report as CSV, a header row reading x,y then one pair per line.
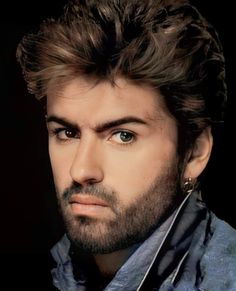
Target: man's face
x,y
113,152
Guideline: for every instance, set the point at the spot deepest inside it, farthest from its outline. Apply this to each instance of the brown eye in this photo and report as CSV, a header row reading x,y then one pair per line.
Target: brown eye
x,y
64,134
70,133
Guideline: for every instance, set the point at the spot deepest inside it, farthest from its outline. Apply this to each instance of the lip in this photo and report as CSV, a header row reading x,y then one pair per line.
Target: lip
x,y
87,205
87,200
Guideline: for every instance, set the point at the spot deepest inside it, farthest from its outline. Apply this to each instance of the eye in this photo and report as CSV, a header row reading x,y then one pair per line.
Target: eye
x,y
64,134
123,137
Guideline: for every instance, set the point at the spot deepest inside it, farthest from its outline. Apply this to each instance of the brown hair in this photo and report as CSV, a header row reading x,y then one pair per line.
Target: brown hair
x,y
166,44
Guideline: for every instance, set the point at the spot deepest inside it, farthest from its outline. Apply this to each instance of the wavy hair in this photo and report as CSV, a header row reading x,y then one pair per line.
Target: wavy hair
x,y
166,44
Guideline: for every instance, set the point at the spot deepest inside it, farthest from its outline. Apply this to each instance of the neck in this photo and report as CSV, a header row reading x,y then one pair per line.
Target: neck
x,y
109,264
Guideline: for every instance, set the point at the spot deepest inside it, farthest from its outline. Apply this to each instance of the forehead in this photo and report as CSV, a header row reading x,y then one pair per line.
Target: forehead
x,y
80,96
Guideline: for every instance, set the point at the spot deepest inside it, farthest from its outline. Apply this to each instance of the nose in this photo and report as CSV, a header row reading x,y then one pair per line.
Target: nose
x,y
86,168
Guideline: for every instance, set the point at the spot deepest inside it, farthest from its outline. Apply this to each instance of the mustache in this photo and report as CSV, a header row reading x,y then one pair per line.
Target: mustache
x,y
99,191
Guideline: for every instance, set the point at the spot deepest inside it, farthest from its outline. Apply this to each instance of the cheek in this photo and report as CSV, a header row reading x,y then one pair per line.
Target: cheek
x,y
60,163
132,174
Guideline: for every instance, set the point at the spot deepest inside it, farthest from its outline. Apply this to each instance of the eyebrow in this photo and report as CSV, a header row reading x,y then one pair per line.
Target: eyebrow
x,y
61,121
114,123
99,127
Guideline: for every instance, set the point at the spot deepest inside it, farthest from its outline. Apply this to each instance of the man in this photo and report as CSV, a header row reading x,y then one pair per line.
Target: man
x,y
132,89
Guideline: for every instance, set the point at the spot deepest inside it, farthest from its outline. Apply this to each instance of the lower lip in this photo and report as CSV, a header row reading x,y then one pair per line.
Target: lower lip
x,y
88,209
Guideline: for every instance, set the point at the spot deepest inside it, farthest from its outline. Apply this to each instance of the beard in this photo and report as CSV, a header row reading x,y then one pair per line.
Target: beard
x,y
131,224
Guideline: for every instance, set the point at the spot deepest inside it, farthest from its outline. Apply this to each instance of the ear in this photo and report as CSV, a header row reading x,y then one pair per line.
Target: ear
x,y
200,154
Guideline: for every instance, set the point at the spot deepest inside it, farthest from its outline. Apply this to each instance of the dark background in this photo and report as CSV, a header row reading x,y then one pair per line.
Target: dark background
x,y
29,223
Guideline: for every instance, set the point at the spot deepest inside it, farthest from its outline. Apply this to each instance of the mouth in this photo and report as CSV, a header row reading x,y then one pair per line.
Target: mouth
x,y
87,200
87,205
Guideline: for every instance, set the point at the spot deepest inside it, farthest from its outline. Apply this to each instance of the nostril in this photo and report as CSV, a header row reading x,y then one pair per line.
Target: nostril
x,y
86,167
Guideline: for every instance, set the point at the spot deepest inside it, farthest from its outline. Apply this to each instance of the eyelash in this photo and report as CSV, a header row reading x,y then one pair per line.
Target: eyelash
x,y
117,131
57,131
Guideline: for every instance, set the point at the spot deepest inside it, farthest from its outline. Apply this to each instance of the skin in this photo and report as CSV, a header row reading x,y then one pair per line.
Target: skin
x,y
119,140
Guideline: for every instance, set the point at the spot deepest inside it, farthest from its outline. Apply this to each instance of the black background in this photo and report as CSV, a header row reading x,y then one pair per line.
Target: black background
x,y
29,223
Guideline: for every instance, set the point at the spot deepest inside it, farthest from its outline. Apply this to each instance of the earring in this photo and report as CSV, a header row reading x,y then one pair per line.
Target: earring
x,y
189,185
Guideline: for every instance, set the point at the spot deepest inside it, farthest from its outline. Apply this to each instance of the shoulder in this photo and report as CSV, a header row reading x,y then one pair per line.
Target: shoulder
x,y
218,263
